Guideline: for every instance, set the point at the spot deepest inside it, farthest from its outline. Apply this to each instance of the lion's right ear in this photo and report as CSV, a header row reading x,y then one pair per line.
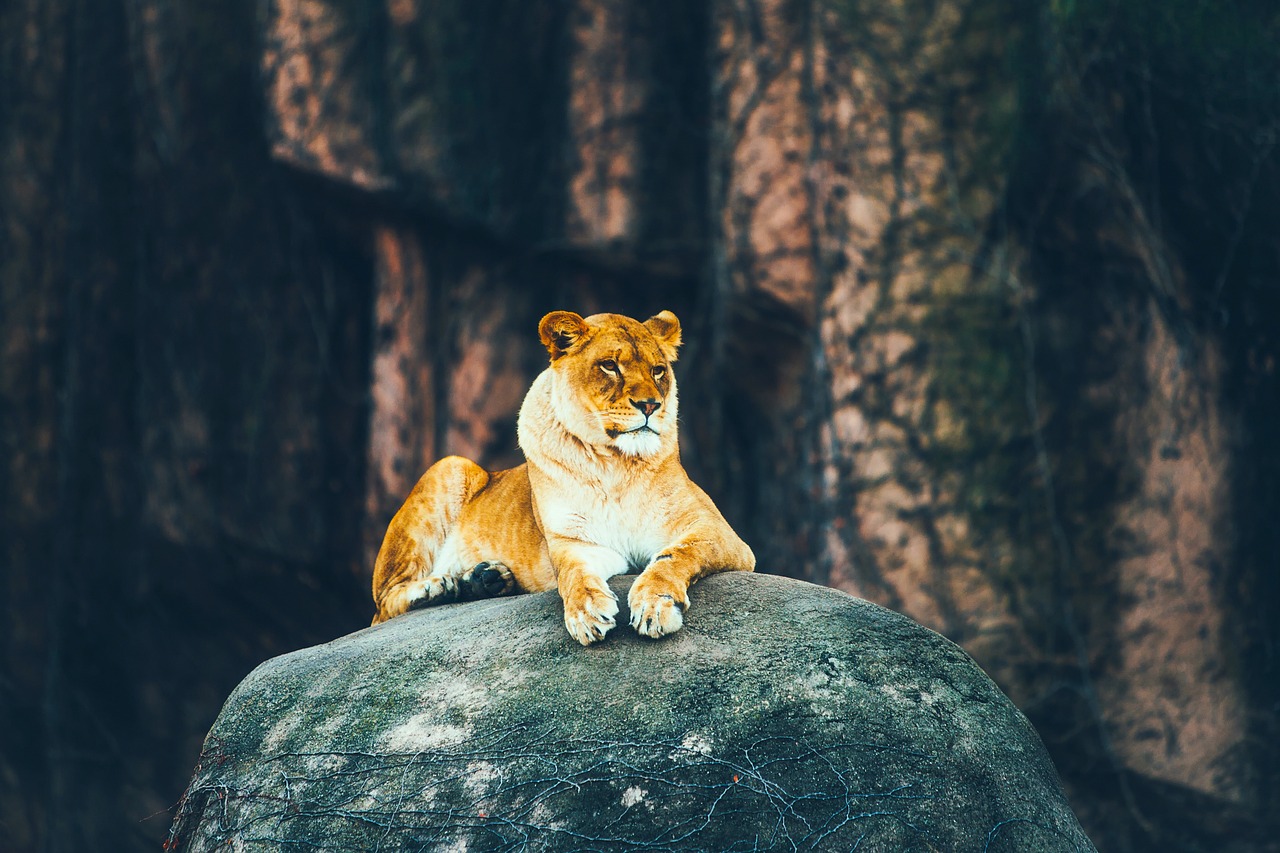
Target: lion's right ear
x,y
560,330
666,331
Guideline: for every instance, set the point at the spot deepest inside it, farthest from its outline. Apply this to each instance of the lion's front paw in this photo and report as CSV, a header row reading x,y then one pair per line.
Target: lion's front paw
x,y
589,614
655,613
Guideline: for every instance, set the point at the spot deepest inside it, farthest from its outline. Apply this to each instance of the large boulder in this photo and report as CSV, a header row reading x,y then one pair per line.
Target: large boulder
x,y
784,716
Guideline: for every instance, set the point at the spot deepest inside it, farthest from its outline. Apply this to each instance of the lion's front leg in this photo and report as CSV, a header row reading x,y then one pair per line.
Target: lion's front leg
x,y
582,572
660,596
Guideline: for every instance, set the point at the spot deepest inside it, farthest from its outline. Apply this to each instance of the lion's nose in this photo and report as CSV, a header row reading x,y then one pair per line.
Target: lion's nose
x,y
647,406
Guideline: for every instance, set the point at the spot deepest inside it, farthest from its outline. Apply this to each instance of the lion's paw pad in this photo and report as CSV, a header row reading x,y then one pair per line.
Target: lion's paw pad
x,y
489,580
656,615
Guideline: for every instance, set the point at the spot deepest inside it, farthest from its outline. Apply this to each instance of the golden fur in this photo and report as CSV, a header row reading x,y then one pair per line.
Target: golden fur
x,y
602,492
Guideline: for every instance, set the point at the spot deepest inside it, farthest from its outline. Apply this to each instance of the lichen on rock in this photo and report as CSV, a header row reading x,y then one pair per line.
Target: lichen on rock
x,y
783,716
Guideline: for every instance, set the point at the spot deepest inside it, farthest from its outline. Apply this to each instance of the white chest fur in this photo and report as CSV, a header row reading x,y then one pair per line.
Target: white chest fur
x,y
626,525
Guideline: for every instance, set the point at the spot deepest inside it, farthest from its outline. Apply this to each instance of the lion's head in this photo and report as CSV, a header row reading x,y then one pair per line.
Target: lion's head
x,y
613,383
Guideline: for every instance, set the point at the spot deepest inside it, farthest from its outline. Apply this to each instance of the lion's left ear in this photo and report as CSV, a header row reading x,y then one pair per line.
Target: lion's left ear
x,y
666,328
560,331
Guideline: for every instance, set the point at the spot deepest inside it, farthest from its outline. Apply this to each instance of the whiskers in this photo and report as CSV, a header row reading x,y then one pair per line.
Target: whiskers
x,y
621,422
630,432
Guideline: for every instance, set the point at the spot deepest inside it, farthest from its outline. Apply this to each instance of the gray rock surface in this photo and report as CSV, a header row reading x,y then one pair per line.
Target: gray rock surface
x,y
784,716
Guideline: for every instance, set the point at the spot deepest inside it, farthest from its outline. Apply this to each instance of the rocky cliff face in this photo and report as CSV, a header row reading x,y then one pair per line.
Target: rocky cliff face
x,y
941,418
784,716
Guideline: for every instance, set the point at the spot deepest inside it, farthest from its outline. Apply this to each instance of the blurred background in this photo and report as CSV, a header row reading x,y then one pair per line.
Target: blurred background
x,y
982,310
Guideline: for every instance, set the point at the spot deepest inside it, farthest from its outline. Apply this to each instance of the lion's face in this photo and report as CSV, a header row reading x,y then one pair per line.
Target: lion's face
x,y
615,386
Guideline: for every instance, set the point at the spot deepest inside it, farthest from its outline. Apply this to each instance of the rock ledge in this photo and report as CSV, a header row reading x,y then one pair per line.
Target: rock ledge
x,y
785,716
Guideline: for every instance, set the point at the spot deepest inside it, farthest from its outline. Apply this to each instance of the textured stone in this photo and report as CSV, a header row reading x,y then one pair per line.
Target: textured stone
x,y
784,716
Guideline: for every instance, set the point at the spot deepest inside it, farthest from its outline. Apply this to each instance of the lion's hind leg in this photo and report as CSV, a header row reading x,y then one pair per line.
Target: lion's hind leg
x,y
418,563
484,580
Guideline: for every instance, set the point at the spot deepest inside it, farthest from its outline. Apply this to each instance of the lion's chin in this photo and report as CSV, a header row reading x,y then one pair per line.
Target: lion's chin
x,y
644,442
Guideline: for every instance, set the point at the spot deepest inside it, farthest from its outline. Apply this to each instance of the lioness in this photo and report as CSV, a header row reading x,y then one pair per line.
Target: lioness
x,y
602,491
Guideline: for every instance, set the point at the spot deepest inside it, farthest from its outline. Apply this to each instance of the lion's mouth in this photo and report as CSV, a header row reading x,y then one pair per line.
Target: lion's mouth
x,y
614,433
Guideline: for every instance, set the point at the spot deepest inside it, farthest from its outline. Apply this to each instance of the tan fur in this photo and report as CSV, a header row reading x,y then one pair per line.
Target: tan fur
x,y
602,492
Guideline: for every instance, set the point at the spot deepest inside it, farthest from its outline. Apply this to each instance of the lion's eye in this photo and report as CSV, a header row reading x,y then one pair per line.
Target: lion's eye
x,y
659,372
609,366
